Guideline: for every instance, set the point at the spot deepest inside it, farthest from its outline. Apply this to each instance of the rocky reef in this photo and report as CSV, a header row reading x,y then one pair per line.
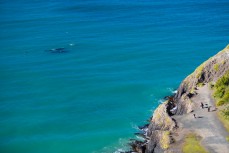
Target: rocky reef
x,y
157,134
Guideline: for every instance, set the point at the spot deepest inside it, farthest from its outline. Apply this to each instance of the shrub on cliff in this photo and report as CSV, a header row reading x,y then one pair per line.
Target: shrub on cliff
x,y
221,90
226,113
165,140
224,117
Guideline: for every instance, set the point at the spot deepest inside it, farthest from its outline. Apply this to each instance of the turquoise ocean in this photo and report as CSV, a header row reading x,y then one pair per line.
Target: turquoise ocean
x,y
122,57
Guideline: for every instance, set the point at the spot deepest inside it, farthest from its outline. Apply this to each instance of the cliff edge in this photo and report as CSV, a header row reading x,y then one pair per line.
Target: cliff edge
x,y
181,113
208,72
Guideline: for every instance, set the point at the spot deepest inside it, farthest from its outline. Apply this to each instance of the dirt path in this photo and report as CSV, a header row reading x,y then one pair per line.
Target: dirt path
x,y
206,124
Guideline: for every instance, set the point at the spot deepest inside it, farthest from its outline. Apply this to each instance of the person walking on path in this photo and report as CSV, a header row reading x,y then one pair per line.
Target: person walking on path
x,y
194,115
202,105
209,107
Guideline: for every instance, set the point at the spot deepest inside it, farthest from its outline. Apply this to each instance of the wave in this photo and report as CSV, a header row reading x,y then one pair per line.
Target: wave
x,y
160,101
173,91
118,147
120,150
134,126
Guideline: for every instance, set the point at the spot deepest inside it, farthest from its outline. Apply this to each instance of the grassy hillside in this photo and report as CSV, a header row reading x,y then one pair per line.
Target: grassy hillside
x,y
221,90
221,95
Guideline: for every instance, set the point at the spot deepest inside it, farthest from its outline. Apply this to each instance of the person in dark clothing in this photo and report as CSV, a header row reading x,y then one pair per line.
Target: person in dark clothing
x,y
209,107
202,105
194,115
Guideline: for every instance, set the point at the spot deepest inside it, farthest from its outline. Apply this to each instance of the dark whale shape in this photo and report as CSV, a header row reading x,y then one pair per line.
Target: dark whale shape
x,y
57,50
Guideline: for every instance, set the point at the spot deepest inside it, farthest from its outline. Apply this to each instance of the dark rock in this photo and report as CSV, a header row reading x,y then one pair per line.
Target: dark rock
x,y
138,146
143,127
190,95
153,145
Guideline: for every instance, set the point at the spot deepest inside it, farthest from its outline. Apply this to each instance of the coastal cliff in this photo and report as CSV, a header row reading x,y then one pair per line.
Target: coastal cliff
x,y
208,72
167,118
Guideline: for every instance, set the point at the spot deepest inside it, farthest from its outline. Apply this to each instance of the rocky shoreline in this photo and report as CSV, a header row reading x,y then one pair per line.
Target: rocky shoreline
x,y
158,134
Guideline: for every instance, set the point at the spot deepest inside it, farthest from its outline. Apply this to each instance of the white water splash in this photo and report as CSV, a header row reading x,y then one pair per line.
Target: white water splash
x,y
160,101
134,126
173,91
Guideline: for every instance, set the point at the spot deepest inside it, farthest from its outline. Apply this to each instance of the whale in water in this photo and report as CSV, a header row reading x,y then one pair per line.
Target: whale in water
x,y
57,50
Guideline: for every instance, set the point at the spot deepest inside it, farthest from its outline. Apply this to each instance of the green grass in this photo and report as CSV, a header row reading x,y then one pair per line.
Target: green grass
x,y
223,117
192,144
221,90
216,67
192,91
221,94
227,138
165,140
200,84
199,70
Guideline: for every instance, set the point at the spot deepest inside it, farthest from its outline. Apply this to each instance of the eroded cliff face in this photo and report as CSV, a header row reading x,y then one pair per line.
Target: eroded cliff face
x,y
157,134
161,120
208,72
159,130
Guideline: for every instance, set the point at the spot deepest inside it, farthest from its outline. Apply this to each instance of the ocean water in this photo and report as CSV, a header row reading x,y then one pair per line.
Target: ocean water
x,y
121,59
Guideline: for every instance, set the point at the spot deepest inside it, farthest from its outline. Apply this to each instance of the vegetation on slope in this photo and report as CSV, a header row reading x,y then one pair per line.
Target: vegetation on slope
x,y
223,118
165,140
221,90
192,144
221,94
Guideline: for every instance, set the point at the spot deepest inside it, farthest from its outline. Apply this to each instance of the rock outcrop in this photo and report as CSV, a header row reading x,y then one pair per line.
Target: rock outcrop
x,y
159,130
157,134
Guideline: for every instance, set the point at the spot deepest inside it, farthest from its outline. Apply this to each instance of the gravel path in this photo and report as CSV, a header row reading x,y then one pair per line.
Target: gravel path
x,y
206,124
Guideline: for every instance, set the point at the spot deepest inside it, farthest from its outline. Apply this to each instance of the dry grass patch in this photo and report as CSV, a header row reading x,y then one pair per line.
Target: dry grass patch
x,y
192,144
